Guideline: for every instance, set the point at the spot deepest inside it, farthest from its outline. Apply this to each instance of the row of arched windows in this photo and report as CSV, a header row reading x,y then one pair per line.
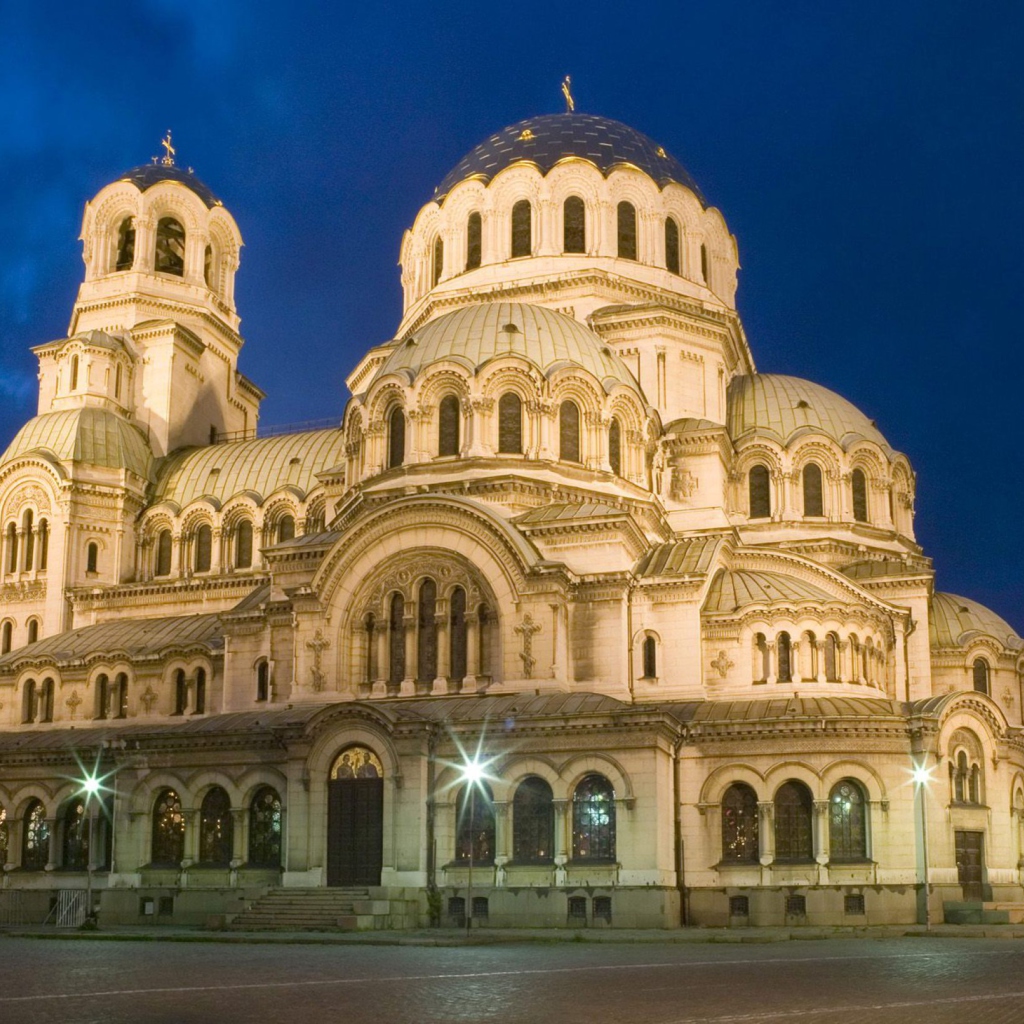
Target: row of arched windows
x,y
37,701
760,492
73,835
830,660
7,634
26,549
169,254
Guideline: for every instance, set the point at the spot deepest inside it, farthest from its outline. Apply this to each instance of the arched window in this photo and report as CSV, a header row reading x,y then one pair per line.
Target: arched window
x,y
26,523
35,842
961,779
448,426
29,701
593,819
533,822
46,701
216,828
120,702
794,840
243,545
761,658
672,246
438,262
102,696
615,446
859,485
831,658
44,544
12,548
759,483
170,247
784,652
396,438
180,692
457,634
569,431
740,825
75,845
522,229
704,263
204,548
7,638
92,557
200,691
474,234
208,266
627,231
163,553
265,829
285,528
396,640
474,831
125,244
847,822
5,835
813,503
650,658
74,373
510,424
426,640
168,830
118,373
33,630
574,225
263,679
980,673
370,625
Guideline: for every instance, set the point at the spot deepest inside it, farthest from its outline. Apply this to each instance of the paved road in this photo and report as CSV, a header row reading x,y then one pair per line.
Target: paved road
x,y
909,981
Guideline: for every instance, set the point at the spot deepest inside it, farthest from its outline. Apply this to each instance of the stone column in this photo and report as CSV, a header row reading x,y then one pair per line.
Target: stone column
x,y
443,647
411,651
766,831
240,835
145,244
772,674
53,851
819,654
380,630
794,661
842,665
562,828
821,839
472,649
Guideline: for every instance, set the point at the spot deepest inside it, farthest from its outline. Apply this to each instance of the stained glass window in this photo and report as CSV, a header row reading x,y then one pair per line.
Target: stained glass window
x,y
615,446
475,825
474,233
4,836
426,641
168,830
593,820
627,231
510,423
813,504
216,828
35,845
265,829
760,492
396,640
243,545
740,825
357,763
170,247
75,851
859,485
672,245
574,232
522,229
448,426
794,840
163,553
847,824
396,438
569,432
533,822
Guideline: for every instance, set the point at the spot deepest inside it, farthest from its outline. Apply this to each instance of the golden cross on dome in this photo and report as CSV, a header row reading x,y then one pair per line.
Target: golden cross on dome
x,y
570,103
168,158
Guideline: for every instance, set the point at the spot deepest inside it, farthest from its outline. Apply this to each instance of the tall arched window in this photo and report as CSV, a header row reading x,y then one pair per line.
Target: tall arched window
x,y
448,426
847,822
265,829
170,247
180,692
626,234
102,695
831,658
208,266
119,705
29,701
118,373
7,638
438,262
35,841
813,502
593,819
5,835
26,523
168,830
740,825
396,437
794,840
243,545
44,544
33,630
163,553
672,246
474,831
200,707
522,229
92,557
216,828
574,225
704,264
285,528
615,446
457,634
510,424
761,659
980,672
203,548
650,658
263,679
125,244
569,431
46,701
474,235
533,822
75,844
859,485
396,640
759,485
426,640
784,652
74,373
12,548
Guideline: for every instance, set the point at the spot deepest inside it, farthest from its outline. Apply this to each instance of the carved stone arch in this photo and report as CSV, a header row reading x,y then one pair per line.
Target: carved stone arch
x,y
574,384
828,456
793,771
24,795
198,514
770,455
237,508
438,382
679,202
519,767
144,792
224,231
200,783
169,199
331,731
861,771
384,397
625,184
252,780
28,493
718,781
576,768
967,706
515,182
964,738
866,456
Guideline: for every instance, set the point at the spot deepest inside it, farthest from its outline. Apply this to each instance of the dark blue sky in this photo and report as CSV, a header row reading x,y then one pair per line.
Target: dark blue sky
x,y
868,156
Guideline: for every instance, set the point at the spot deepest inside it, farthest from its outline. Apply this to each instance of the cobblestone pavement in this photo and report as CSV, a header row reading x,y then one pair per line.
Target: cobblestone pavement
x,y
906,980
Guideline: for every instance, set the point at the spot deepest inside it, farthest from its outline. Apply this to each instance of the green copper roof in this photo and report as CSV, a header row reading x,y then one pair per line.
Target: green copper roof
x,y
955,620
730,591
475,335
97,437
693,555
788,407
262,465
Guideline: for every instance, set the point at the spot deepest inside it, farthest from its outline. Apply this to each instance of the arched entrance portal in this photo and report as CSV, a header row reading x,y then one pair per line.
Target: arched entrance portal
x,y
355,817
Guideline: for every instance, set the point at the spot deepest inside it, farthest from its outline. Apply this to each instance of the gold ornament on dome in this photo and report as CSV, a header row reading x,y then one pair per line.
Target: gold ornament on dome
x,y
570,103
168,158
357,763
525,135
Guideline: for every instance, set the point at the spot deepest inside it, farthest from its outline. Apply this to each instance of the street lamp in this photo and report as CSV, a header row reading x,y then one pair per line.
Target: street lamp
x,y
90,787
922,775
472,774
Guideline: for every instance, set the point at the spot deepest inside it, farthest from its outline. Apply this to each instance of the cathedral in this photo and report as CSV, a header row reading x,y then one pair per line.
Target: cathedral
x,y
573,619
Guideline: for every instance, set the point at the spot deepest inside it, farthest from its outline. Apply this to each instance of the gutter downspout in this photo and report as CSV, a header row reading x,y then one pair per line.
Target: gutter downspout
x,y
677,824
911,627
629,638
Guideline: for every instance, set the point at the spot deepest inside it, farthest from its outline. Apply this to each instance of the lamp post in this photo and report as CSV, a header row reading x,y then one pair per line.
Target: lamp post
x,y
922,776
472,775
90,787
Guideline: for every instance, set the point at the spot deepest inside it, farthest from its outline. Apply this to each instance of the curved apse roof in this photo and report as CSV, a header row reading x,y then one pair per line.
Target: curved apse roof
x,y
954,620
550,138
769,403
476,334
147,175
731,590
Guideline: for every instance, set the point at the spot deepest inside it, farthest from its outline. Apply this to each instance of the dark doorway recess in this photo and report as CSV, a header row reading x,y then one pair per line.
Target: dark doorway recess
x,y
355,832
969,864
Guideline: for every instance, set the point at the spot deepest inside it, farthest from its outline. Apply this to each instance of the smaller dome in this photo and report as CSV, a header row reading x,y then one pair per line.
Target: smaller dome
x,y
785,407
955,620
474,335
147,175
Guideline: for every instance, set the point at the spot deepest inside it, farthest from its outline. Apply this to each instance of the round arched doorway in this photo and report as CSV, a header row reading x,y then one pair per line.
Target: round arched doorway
x,y
355,818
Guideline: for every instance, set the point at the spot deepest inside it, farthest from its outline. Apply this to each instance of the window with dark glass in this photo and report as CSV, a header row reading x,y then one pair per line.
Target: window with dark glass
x,y
117,381
46,701
243,545
510,424
92,558
650,658
216,828
75,845
396,640
784,652
533,822
762,660
740,825
5,835
437,267
522,229
457,632
33,630
29,701
474,235
426,640
180,692
704,263
200,707
474,832
672,246
759,482
26,522
12,548
35,843
813,503
170,247
859,485
208,266
370,625
626,214
569,431
980,673
125,244
263,680
847,822
204,548
574,225
44,544
615,446
593,819
7,638
168,830
74,373
794,840
285,528
396,438
102,695
831,658
163,553
119,705
448,426
265,829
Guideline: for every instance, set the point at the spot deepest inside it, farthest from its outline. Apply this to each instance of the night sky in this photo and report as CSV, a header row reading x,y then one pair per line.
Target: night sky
x,y
868,156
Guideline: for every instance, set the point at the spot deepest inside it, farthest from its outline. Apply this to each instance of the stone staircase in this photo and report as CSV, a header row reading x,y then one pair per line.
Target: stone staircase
x,y
328,909
979,912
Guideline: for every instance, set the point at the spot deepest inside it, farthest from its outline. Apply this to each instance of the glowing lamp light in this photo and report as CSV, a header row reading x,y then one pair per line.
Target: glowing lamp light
x,y
473,772
921,775
91,785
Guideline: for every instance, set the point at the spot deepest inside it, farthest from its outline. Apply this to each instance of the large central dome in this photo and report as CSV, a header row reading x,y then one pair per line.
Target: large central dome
x,y
546,140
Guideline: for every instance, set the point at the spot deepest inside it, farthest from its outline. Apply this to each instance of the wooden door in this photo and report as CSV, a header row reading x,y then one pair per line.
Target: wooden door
x,y
969,864
355,831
